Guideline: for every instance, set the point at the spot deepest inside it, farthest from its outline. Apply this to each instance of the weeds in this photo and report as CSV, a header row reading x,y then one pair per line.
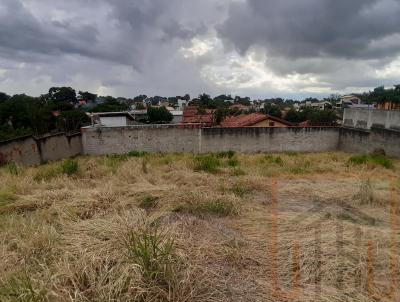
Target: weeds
x,y
232,162
153,251
21,288
371,159
13,168
70,167
226,154
136,154
273,159
206,163
46,173
239,190
6,198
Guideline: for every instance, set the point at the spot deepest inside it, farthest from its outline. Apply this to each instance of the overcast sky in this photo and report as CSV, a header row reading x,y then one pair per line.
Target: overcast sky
x,y
260,48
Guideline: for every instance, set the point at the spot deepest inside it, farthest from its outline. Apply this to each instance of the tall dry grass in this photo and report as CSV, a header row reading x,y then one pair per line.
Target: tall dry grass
x,y
145,227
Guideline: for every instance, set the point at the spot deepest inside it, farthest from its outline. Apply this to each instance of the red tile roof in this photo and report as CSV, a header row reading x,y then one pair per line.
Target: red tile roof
x,y
248,120
191,115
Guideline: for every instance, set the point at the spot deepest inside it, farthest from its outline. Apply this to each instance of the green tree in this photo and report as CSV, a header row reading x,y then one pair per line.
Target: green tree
x,y
110,105
4,97
272,110
72,120
61,94
87,96
159,115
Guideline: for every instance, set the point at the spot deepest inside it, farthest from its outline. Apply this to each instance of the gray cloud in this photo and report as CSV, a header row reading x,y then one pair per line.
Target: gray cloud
x,y
127,47
310,28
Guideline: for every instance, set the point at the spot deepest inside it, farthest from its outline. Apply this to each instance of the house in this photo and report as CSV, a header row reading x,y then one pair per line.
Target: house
x,y
348,101
321,105
255,120
139,114
113,119
387,105
181,104
178,116
195,115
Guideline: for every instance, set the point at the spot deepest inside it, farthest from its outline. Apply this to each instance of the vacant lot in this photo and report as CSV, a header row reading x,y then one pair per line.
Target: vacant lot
x,y
142,227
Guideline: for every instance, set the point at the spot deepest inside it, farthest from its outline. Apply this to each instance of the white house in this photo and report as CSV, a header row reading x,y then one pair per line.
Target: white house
x,y
113,119
348,101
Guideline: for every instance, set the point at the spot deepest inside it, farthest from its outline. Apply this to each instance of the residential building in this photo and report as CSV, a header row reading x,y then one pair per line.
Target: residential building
x,y
389,105
347,101
255,120
194,115
113,119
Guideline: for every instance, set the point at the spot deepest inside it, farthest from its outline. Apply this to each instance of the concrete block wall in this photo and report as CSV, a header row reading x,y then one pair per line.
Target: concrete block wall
x,y
252,140
370,118
23,150
119,140
366,141
35,151
158,138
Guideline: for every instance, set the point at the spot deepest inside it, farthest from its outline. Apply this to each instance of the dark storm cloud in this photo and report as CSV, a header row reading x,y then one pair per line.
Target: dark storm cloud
x,y
21,33
171,47
309,28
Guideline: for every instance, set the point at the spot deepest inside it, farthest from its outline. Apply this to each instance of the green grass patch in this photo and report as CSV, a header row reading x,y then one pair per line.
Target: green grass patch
x,y
273,159
21,288
206,163
238,189
136,154
153,251
69,167
232,162
6,198
226,154
371,159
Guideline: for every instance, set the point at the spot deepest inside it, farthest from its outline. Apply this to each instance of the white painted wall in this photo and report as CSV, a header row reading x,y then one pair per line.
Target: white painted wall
x,y
113,121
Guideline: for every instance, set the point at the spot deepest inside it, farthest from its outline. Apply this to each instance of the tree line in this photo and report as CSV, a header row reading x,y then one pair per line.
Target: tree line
x,y
63,109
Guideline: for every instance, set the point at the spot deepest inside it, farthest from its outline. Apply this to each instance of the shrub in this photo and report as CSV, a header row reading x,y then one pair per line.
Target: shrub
x,y
206,163
136,154
70,167
373,159
153,251
226,154
232,162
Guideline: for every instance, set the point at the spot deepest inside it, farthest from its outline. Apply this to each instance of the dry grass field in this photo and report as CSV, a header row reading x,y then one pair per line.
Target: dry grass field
x,y
174,227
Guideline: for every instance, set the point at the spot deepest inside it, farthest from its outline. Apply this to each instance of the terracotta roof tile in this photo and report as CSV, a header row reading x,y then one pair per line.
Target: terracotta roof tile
x,y
248,120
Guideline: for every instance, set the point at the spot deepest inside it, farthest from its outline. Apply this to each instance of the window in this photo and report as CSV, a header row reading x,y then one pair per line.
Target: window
x,y
272,124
